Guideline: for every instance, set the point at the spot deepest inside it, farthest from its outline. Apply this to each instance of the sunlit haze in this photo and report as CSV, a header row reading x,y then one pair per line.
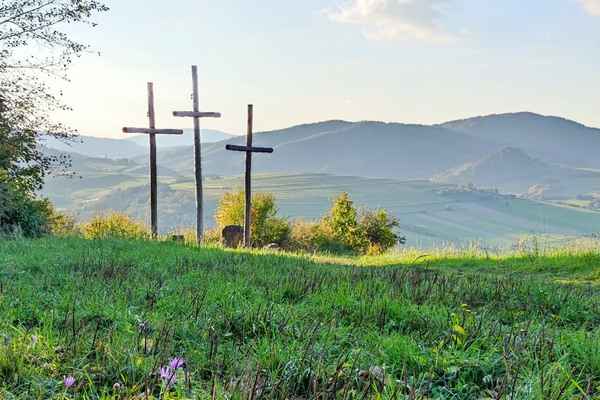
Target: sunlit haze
x,y
410,61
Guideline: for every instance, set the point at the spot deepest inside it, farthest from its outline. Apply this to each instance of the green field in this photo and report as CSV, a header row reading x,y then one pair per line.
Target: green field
x,y
428,219
256,325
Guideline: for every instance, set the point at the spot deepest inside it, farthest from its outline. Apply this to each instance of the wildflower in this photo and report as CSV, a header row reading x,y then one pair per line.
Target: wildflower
x,y
69,381
165,373
142,326
34,340
117,386
176,363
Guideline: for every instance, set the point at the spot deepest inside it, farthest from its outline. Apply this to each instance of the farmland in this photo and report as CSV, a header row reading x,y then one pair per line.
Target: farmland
x,y
432,214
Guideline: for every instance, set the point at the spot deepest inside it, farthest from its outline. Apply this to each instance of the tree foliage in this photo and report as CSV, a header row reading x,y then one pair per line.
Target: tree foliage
x,y
35,24
25,99
344,229
379,226
265,227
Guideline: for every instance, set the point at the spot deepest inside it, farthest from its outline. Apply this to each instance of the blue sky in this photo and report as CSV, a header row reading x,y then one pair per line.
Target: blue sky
x,y
410,61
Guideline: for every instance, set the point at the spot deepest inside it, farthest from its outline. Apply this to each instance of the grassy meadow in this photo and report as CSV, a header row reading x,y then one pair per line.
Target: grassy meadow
x,y
410,324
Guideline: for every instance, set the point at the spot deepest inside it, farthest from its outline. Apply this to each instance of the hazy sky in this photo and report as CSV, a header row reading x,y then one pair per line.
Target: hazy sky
x,y
302,61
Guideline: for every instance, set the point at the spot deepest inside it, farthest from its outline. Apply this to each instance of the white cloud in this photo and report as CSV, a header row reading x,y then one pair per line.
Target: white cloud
x,y
591,6
395,19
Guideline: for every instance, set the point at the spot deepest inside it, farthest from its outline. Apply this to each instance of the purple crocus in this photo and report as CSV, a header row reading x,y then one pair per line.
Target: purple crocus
x,y
176,363
165,373
69,381
167,376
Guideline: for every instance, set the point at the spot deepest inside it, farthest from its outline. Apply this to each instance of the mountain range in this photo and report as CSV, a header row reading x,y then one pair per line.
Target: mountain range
x,y
510,152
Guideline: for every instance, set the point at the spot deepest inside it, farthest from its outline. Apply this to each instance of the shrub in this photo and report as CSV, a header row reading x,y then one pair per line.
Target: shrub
x,y
378,227
63,225
114,224
21,212
265,227
340,229
302,236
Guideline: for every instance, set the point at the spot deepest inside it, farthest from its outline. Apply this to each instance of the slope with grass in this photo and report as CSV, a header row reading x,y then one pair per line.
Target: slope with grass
x,y
252,325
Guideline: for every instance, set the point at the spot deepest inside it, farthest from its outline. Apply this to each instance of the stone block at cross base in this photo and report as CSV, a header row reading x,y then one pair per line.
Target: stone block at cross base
x,y
233,235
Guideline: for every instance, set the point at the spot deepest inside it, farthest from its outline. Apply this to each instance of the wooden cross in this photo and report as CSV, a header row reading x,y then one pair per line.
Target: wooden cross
x,y
152,131
197,150
249,150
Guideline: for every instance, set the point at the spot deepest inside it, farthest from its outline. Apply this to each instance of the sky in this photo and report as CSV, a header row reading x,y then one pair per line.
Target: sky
x,y
297,62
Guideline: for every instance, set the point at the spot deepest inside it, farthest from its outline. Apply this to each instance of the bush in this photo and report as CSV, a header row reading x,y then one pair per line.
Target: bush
x,y
265,227
114,225
302,236
344,230
378,227
340,230
22,213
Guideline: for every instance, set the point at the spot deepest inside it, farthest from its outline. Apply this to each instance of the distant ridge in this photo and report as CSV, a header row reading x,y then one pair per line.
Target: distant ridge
x,y
536,150
508,168
97,147
132,147
553,140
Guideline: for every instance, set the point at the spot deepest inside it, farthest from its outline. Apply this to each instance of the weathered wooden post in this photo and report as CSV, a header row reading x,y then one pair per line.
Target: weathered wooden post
x,y
152,131
197,151
248,187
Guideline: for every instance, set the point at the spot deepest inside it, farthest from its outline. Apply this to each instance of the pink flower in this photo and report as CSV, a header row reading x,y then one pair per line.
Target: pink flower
x,y
176,363
165,373
167,376
117,386
69,381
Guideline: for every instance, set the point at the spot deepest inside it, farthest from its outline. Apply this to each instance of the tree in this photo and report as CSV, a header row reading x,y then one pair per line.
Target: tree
x,y
344,229
24,23
265,227
341,225
25,100
379,228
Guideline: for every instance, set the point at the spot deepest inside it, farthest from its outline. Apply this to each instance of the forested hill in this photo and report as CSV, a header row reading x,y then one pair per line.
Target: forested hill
x,y
395,150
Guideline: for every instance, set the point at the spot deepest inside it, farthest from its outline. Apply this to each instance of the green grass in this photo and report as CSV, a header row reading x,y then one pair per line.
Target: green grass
x,y
452,324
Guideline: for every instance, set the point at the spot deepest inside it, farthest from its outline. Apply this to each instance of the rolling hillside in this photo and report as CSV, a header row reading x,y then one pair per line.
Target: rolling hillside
x,y
512,171
430,176
373,149
431,213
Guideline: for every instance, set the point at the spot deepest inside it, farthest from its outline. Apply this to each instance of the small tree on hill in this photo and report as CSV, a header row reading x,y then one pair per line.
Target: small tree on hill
x,y
265,227
379,228
344,229
340,227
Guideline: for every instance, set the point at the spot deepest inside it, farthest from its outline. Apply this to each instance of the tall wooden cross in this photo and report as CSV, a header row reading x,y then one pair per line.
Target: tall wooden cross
x,y
249,150
152,131
197,150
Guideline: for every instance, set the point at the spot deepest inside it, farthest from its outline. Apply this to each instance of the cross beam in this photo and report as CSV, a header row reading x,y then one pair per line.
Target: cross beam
x,y
248,187
197,150
250,149
152,132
